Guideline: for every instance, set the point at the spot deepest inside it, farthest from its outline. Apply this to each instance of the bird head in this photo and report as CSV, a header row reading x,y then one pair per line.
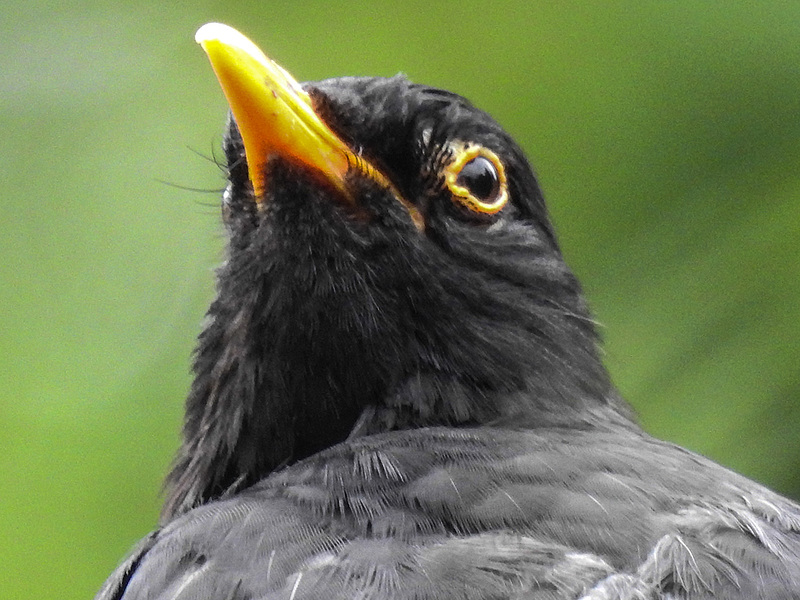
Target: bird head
x,y
390,265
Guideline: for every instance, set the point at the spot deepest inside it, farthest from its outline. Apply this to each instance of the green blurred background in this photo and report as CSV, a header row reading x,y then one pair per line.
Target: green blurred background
x,y
666,135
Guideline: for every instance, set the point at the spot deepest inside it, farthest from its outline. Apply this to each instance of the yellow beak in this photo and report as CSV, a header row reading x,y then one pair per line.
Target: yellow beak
x,y
275,115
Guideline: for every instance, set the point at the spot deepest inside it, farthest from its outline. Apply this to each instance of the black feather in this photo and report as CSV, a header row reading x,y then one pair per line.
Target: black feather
x,y
380,412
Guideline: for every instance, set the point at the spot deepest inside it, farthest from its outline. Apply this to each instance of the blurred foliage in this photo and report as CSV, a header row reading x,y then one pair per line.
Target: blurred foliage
x,y
667,136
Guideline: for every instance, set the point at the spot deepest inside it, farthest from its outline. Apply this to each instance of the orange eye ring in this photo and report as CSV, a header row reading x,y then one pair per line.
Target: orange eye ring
x,y
477,179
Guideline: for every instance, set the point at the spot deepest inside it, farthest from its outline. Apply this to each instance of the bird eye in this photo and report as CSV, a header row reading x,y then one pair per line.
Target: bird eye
x,y
477,179
480,177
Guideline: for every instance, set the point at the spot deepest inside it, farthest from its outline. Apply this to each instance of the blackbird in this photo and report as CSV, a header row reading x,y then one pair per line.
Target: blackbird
x,y
398,391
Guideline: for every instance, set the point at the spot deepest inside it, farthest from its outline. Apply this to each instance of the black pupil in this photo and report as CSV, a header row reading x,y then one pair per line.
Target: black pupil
x,y
480,177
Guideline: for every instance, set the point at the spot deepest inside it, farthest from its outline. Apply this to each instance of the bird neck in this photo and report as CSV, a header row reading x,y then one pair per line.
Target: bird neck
x,y
254,407
266,394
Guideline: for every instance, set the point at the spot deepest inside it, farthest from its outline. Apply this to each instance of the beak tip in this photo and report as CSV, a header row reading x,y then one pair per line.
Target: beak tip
x,y
210,31
221,36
